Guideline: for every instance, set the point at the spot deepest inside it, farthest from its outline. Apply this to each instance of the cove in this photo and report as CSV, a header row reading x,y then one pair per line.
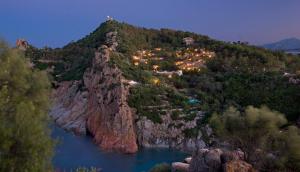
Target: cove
x,y
80,151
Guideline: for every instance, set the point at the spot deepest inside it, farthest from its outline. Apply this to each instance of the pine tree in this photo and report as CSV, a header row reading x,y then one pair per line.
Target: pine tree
x,y
25,142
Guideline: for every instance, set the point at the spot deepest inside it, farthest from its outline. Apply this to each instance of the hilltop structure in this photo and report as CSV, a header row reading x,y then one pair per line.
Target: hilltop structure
x,y
22,44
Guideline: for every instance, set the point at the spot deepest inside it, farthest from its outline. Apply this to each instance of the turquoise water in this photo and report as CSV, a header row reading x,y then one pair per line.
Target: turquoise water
x,y
78,151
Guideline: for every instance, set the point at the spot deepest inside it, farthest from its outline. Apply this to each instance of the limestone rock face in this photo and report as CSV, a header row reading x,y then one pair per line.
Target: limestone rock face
x,y
110,119
168,134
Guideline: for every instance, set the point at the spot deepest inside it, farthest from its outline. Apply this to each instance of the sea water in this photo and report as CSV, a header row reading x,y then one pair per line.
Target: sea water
x,y
79,151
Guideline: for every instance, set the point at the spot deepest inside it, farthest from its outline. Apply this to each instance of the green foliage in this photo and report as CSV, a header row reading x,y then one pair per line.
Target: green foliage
x,y
269,89
218,91
249,130
25,142
175,115
164,167
258,132
191,133
291,140
130,71
143,96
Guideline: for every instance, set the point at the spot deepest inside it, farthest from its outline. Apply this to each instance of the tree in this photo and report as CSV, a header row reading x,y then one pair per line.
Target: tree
x,y
287,147
25,142
260,134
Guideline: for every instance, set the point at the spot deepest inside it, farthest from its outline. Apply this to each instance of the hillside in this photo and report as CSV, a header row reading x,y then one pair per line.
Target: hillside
x,y
284,45
173,80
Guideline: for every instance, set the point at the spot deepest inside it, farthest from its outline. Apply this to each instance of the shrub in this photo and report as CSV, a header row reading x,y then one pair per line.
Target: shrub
x,y
258,132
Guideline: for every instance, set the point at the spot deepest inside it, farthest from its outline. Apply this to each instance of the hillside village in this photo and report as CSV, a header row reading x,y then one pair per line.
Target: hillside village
x,y
169,82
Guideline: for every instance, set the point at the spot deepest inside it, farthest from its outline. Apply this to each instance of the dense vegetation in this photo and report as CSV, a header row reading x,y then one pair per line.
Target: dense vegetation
x,y
25,142
239,74
259,134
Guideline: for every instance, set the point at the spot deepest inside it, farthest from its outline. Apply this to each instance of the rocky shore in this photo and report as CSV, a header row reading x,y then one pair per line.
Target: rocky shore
x,y
214,160
98,104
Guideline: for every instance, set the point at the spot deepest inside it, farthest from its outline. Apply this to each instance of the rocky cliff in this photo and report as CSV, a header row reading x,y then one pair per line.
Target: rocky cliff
x,y
170,133
70,106
98,104
110,119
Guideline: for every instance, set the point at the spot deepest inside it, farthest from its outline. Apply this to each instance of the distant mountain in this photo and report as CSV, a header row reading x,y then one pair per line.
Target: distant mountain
x,y
290,44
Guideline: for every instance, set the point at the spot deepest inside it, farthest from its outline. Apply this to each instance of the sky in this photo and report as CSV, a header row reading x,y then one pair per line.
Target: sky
x,y
55,23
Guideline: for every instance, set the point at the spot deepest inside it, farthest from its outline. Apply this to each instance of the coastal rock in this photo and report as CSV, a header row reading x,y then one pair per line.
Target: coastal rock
x,y
110,119
228,156
238,166
215,160
69,107
180,166
169,133
188,160
98,104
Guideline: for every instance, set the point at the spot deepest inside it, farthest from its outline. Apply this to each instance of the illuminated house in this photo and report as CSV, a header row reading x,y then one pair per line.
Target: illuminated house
x,y
188,40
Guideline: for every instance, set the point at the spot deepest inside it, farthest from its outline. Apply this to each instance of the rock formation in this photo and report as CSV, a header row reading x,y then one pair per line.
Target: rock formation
x,y
180,166
216,160
98,104
22,44
169,133
110,119
238,166
70,106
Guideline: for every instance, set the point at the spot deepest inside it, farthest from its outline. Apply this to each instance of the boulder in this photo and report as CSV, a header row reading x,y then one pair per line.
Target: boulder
x,y
215,160
188,160
238,166
232,155
180,166
206,160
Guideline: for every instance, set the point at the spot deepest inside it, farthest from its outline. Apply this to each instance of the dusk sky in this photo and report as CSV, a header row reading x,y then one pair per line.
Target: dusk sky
x,y
56,22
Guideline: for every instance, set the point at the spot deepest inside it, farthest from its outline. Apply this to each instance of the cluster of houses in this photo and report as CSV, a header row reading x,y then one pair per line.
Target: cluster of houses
x,y
188,59
143,56
192,59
